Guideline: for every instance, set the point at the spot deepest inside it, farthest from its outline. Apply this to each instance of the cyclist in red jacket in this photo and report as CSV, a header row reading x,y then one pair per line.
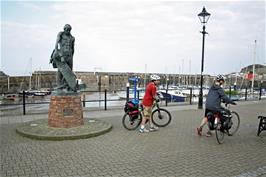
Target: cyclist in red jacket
x,y
147,102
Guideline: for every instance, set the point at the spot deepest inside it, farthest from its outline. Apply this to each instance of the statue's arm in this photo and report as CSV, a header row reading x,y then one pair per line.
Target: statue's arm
x,y
73,46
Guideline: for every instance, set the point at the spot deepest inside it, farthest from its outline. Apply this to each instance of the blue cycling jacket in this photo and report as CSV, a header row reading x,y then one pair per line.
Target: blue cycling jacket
x,y
214,98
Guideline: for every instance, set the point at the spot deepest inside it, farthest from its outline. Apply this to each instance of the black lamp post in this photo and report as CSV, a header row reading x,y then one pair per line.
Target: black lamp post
x,y
204,17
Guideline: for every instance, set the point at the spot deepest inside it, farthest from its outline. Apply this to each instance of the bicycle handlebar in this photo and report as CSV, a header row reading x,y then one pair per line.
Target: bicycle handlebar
x,y
233,103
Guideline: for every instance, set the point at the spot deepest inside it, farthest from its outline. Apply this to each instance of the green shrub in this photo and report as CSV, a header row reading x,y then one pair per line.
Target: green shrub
x,y
233,92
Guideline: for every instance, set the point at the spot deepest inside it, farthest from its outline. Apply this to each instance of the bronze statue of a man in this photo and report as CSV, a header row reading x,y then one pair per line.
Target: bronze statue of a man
x,y
62,58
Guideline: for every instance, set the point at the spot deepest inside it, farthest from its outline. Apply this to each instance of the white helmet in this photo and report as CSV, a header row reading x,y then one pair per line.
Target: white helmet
x,y
155,77
220,77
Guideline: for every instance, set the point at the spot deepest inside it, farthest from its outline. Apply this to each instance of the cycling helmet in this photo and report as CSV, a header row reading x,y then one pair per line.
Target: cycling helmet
x,y
219,78
155,77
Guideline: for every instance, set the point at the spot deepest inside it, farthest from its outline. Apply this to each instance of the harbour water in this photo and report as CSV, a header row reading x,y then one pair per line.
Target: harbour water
x,y
96,101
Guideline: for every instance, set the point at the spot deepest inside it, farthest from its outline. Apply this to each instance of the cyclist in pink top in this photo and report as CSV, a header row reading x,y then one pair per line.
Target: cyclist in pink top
x,y
147,102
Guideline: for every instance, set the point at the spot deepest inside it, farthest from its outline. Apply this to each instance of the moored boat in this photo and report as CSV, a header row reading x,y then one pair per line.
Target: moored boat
x,y
11,97
173,95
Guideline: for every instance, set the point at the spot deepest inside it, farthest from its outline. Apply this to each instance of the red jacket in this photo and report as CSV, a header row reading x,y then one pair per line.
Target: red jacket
x,y
149,95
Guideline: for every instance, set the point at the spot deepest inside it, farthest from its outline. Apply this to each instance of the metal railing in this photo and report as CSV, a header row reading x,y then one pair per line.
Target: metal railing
x,y
24,101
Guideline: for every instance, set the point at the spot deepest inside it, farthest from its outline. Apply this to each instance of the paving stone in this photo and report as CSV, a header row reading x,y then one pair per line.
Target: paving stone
x,y
172,151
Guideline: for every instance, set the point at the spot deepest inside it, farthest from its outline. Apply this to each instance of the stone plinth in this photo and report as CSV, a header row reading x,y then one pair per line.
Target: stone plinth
x,y
65,112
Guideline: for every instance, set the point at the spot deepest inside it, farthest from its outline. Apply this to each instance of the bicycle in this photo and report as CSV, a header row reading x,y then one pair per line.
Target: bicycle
x,y
226,122
133,116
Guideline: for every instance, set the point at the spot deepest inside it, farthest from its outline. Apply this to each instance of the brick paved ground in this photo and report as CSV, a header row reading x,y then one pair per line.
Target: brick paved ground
x,y
172,151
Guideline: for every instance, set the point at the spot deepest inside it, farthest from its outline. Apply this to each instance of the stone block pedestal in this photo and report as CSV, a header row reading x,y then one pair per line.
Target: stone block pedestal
x,y
65,112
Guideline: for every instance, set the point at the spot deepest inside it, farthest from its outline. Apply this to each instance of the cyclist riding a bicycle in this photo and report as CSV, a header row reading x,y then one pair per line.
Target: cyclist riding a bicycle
x,y
213,103
147,102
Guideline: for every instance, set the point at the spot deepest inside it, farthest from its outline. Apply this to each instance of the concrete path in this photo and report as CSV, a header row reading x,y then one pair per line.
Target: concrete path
x,y
174,150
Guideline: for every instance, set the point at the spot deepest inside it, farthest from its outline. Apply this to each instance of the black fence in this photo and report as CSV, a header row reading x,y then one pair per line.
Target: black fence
x,y
104,100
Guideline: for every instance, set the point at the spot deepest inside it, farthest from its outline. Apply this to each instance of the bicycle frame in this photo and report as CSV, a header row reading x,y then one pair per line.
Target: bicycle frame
x,y
156,104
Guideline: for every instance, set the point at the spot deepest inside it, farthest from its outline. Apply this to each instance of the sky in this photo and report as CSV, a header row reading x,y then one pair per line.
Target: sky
x,y
134,36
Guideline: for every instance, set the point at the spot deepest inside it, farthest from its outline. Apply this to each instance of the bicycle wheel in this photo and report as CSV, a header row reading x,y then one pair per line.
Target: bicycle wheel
x,y
219,132
131,123
235,120
260,128
262,125
161,117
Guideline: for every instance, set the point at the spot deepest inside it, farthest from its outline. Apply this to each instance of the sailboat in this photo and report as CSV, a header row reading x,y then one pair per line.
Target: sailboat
x,y
173,95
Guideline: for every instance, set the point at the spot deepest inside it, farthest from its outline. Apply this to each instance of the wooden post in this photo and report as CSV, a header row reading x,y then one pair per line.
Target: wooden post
x,y
24,102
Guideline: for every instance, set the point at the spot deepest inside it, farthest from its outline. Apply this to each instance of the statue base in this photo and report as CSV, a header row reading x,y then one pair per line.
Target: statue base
x,y
65,111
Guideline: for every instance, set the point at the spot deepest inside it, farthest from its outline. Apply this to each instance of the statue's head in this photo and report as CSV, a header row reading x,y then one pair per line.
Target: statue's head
x,y
67,28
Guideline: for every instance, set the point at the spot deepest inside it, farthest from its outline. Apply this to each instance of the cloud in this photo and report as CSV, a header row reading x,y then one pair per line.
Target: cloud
x,y
31,6
124,36
127,31
21,42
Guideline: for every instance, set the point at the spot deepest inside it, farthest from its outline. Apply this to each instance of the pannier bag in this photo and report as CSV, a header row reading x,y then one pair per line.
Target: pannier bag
x,y
130,107
226,119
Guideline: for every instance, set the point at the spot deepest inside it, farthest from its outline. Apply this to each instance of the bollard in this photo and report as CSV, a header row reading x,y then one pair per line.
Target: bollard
x,y
127,94
166,100
77,85
24,103
105,99
83,100
230,92
260,92
246,93
190,96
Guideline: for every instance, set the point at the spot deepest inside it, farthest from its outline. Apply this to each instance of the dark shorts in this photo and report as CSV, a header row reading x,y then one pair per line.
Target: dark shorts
x,y
207,111
212,117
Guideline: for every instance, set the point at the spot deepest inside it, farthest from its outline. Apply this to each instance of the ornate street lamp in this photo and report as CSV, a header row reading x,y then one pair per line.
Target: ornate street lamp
x,y
204,17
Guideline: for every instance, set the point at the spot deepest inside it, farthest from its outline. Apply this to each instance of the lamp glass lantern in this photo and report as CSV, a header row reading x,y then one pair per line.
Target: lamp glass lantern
x,y
204,16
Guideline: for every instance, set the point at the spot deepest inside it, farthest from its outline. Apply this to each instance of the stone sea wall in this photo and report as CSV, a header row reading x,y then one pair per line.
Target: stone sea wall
x,y
96,81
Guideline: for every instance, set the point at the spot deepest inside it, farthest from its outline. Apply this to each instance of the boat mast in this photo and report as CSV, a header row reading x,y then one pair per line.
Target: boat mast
x,y
196,79
182,73
39,78
145,76
253,68
179,76
30,73
189,75
8,83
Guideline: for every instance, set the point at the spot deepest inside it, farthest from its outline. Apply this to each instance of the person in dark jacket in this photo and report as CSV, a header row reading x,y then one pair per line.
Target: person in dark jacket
x,y
213,102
